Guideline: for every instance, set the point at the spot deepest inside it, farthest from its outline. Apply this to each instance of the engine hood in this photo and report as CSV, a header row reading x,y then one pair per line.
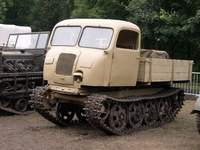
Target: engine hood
x,y
75,67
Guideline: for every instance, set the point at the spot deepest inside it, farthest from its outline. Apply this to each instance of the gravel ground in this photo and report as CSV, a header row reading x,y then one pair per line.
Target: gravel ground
x,y
33,132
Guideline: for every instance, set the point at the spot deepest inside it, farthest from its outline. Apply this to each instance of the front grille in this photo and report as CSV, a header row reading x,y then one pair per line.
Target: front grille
x,y
65,64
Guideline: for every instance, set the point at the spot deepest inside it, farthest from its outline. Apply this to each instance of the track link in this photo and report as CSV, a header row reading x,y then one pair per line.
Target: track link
x,y
10,110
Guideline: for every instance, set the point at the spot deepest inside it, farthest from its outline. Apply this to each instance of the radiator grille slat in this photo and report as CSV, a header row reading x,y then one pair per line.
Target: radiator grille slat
x,y
65,64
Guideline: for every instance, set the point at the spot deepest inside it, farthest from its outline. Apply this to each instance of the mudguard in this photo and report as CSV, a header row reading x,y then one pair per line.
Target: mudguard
x,y
196,107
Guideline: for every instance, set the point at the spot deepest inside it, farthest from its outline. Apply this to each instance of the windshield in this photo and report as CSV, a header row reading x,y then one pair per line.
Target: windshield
x,y
94,37
28,41
66,36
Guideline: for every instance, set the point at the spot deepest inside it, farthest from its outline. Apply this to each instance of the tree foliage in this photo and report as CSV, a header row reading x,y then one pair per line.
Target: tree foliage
x,y
168,25
112,9
18,13
4,4
46,13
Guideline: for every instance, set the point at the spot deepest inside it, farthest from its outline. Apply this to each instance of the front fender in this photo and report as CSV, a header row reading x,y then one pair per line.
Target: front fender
x,y
196,107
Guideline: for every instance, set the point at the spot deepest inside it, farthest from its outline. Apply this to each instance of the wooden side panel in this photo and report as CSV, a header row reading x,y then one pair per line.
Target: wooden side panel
x,y
161,70
164,70
144,70
182,70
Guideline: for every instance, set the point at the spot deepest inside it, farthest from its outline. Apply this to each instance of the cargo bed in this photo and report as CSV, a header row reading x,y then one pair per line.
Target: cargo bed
x,y
164,70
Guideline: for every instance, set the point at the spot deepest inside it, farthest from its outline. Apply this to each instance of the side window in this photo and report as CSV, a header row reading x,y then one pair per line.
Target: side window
x,y
127,39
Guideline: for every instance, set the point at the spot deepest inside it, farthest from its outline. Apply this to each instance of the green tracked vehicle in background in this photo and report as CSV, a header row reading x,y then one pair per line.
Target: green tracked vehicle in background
x,y
21,69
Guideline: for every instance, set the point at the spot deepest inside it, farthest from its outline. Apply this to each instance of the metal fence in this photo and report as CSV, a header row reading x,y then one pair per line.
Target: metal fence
x,y
192,88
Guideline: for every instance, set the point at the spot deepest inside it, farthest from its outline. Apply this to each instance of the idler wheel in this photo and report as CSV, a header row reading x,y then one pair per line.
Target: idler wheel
x,y
65,112
118,117
136,114
150,112
104,110
21,105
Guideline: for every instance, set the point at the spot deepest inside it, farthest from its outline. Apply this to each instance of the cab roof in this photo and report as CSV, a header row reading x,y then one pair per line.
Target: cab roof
x,y
115,24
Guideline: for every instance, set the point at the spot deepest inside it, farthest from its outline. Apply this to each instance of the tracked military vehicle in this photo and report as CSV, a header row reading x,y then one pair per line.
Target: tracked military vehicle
x,y
96,71
21,69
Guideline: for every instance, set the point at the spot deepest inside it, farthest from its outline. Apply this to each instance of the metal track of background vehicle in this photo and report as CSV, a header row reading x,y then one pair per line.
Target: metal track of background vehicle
x,y
21,70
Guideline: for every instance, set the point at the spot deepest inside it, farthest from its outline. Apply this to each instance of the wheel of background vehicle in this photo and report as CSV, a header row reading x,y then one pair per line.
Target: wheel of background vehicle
x,y
32,84
21,105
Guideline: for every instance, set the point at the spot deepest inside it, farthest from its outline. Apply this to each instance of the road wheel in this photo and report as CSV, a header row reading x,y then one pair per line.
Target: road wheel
x,y
21,105
118,117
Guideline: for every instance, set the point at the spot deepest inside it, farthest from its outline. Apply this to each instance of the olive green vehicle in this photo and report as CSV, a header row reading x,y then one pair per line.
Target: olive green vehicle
x,y
96,71
21,69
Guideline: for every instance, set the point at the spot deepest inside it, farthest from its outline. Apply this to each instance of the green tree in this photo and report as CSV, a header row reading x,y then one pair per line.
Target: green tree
x,y
168,25
112,9
4,4
18,13
46,13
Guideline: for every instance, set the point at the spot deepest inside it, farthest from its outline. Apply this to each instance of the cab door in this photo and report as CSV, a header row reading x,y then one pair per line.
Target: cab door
x,y
125,61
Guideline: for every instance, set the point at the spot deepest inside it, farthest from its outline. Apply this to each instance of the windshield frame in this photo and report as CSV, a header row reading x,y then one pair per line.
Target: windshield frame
x,y
32,40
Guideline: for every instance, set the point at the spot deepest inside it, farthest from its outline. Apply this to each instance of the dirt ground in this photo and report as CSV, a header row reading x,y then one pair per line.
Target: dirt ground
x,y
33,132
